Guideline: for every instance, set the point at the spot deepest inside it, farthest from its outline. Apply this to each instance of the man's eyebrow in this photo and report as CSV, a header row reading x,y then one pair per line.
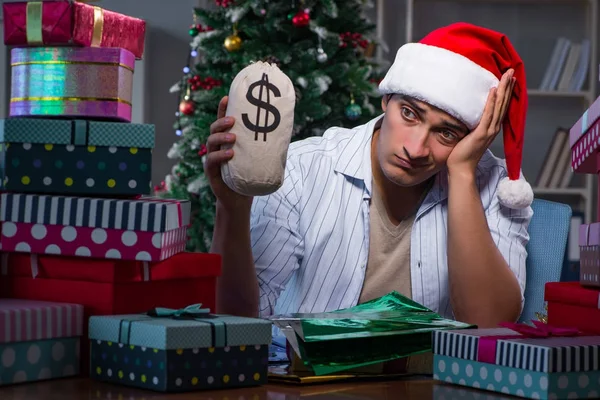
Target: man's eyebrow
x,y
413,104
460,128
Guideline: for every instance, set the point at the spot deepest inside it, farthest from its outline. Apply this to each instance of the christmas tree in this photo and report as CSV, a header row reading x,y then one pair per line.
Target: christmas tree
x,y
324,46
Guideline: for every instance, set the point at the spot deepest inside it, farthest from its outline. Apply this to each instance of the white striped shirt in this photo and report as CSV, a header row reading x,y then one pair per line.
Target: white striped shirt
x,y
310,239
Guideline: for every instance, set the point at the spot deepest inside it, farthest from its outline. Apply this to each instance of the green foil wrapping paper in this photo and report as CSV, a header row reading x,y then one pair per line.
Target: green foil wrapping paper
x,y
383,329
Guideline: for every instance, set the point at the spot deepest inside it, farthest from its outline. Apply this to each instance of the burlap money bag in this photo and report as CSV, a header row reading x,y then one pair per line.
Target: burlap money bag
x,y
262,101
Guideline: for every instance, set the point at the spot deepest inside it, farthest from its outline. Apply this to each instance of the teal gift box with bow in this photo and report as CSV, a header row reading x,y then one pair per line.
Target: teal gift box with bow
x,y
75,157
182,350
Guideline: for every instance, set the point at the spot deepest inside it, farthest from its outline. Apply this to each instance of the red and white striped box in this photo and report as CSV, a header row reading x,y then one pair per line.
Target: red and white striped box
x,y
39,340
146,229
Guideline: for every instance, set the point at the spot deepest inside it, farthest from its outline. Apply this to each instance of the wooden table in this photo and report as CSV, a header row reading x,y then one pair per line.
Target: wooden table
x,y
403,389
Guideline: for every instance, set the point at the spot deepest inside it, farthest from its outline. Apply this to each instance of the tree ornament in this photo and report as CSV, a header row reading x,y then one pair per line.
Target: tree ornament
x,y
233,42
302,18
194,30
353,110
187,107
321,55
224,3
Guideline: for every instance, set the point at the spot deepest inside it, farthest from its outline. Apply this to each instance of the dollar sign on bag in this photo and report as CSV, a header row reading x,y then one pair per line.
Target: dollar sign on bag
x,y
264,86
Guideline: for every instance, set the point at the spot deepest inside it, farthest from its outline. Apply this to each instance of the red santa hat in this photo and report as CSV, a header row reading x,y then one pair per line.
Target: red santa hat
x,y
453,68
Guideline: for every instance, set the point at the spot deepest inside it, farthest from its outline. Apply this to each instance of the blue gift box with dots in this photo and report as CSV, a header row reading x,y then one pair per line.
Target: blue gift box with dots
x,y
534,368
77,157
179,355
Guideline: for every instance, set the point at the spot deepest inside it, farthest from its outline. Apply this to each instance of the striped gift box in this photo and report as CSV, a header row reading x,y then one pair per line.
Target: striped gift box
x,y
549,355
145,214
27,320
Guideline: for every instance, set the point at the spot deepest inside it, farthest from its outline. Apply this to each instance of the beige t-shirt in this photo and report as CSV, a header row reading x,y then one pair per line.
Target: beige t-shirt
x,y
388,265
388,269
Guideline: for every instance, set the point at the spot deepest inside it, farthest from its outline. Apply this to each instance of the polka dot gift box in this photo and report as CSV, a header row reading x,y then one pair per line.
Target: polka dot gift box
x,y
75,157
39,340
145,229
516,362
585,141
179,350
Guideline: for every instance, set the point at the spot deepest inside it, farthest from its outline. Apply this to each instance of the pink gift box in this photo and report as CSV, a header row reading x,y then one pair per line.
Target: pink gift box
x,y
584,140
92,242
589,249
27,320
48,23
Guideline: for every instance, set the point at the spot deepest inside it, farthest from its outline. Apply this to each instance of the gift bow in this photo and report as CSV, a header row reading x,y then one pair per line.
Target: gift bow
x,y
191,311
486,351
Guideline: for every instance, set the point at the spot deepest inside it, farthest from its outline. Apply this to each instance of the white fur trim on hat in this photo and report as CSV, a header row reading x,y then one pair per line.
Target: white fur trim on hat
x,y
514,193
441,78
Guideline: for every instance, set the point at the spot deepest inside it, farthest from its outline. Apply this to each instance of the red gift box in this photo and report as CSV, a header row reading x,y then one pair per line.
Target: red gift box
x,y
109,287
571,305
64,22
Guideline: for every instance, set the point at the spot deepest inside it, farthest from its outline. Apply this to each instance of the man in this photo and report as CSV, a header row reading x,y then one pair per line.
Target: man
x,y
412,201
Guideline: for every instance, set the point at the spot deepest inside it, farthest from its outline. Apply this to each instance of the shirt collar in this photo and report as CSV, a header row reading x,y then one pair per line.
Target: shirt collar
x,y
355,162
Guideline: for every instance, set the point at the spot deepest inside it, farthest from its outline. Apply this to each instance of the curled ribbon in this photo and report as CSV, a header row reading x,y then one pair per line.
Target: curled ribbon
x,y
486,351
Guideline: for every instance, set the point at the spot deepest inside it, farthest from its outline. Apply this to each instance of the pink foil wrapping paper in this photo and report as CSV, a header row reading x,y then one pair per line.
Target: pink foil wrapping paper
x,y
92,242
72,82
26,320
72,23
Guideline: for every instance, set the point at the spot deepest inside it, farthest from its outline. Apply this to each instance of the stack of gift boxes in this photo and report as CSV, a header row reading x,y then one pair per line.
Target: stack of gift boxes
x,y
555,359
85,252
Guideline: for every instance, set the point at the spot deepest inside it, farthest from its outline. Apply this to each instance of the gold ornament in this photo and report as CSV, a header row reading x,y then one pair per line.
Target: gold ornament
x,y
233,42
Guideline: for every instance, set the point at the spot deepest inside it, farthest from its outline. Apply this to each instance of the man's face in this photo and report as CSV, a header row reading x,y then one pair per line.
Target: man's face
x,y
415,140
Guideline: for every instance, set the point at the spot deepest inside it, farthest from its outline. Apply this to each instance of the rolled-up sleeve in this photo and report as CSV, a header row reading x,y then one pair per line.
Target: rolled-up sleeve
x,y
277,245
509,229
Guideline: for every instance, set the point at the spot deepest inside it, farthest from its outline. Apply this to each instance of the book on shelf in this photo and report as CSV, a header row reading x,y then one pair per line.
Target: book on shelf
x,y
568,66
556,171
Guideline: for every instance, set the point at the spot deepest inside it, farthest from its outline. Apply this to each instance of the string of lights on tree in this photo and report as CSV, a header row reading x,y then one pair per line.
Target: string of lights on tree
x,y
233,43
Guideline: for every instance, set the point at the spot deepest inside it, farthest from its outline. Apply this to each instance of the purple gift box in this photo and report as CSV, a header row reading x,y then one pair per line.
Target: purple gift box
x,y
72,82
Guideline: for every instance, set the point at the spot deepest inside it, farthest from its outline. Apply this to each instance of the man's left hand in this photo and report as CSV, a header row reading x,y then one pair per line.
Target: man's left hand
x,y
466,155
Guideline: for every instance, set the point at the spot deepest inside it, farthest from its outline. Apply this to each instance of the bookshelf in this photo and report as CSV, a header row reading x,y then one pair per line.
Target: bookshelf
x,y
533,27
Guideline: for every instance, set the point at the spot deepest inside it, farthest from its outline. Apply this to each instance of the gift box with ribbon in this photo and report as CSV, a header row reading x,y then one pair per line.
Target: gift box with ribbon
x,y
178,350
583,138
145,229
108,287
89,83
67,22
39,340
589,250
76,157
572,305
536,361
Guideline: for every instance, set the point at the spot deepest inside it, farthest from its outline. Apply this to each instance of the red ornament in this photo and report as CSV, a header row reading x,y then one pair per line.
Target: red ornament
x,y
203,150
301,19
352,39
224,3
186,107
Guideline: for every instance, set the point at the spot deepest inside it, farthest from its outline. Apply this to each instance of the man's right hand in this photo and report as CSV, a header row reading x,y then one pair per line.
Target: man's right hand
x,y
220,135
